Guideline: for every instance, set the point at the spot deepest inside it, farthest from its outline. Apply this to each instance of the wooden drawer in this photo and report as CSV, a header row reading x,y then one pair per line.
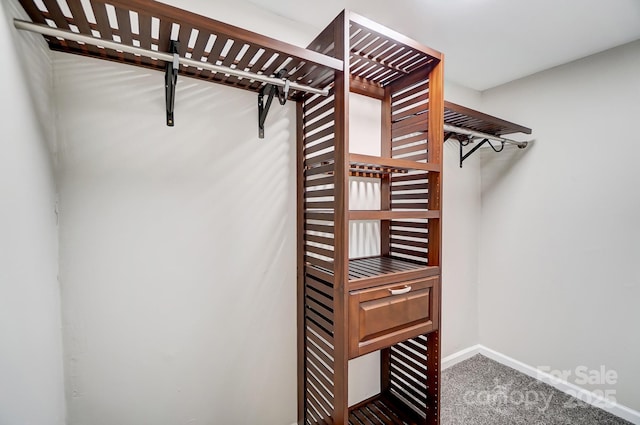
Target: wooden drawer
x,y
385,315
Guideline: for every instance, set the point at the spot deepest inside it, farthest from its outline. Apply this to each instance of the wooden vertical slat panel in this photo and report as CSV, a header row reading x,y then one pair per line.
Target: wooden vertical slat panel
x,y
300,188
433,378
435,151
385,183
341,271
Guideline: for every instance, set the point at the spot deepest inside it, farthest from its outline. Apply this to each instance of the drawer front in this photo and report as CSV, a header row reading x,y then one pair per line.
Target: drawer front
x,y
382,316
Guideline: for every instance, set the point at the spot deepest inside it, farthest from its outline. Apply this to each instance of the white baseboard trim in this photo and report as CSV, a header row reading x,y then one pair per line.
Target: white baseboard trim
x,y
460,356
589,397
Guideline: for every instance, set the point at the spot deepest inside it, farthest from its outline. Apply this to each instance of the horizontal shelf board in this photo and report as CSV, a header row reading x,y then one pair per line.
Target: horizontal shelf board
x,y
461,116
392,215
367,272
396,164
381,410
372,271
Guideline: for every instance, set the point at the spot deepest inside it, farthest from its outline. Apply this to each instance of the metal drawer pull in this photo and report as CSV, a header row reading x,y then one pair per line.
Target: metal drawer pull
x,y
401,291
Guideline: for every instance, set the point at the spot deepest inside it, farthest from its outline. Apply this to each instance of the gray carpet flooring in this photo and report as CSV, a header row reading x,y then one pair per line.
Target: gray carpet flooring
x,y
479,391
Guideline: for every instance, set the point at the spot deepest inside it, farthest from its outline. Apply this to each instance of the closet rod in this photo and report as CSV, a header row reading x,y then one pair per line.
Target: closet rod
x,y
448,128
72,36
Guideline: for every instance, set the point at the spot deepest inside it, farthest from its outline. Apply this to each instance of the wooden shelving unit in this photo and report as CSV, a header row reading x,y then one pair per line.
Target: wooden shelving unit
x,y
346,307
391,302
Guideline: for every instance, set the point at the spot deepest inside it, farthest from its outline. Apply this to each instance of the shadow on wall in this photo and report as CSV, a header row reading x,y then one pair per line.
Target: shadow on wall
x,y
501,165
37,66
177,250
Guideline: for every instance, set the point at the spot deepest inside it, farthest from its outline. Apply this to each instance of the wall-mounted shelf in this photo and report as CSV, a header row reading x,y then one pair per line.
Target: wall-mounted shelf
x,y
152,25
471,119
468,125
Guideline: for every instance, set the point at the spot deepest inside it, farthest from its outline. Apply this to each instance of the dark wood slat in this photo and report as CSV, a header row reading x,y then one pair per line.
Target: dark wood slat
x,y
321,287
393,215
416,110
313,261
319,111
396,143
80,20
393,163
319,146
320,134
319,123
398,100
323,333
322,158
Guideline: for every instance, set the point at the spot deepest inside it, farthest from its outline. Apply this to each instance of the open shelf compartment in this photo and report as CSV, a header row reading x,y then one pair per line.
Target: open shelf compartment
x,y
382,410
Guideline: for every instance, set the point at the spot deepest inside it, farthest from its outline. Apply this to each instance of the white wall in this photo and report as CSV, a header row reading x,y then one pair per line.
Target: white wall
x,y
559,279
460,241
177,251
31,378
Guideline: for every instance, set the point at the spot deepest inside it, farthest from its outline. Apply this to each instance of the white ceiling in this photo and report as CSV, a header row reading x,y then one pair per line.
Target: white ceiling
x,y
489,42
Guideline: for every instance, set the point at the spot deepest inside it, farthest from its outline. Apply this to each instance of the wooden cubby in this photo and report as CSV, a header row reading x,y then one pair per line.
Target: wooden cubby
x,y
348,307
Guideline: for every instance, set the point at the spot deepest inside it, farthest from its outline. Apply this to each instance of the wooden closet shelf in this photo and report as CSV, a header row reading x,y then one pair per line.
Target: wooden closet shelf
x,y
471,119
359,162
152,25
392,215
373,166
382,410
381,56
372,271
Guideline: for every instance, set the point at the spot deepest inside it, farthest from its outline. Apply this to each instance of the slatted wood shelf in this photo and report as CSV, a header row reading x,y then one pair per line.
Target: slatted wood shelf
x,y
152,25
461,116
373,166
382,410
380,270
382,166
392,215
381,56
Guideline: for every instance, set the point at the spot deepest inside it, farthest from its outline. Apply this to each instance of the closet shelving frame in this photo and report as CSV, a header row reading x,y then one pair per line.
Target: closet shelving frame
x,y
349,307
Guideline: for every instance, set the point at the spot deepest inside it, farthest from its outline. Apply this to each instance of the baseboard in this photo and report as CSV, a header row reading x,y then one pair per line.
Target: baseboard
x,y
616,409
460,356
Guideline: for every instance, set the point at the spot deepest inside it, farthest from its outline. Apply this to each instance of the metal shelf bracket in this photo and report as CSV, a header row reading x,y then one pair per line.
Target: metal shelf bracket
x,y
271,90
170,81
464,143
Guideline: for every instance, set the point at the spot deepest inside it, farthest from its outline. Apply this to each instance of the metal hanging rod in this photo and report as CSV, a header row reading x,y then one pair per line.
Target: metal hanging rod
x,y
452,129
448,128
167,57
